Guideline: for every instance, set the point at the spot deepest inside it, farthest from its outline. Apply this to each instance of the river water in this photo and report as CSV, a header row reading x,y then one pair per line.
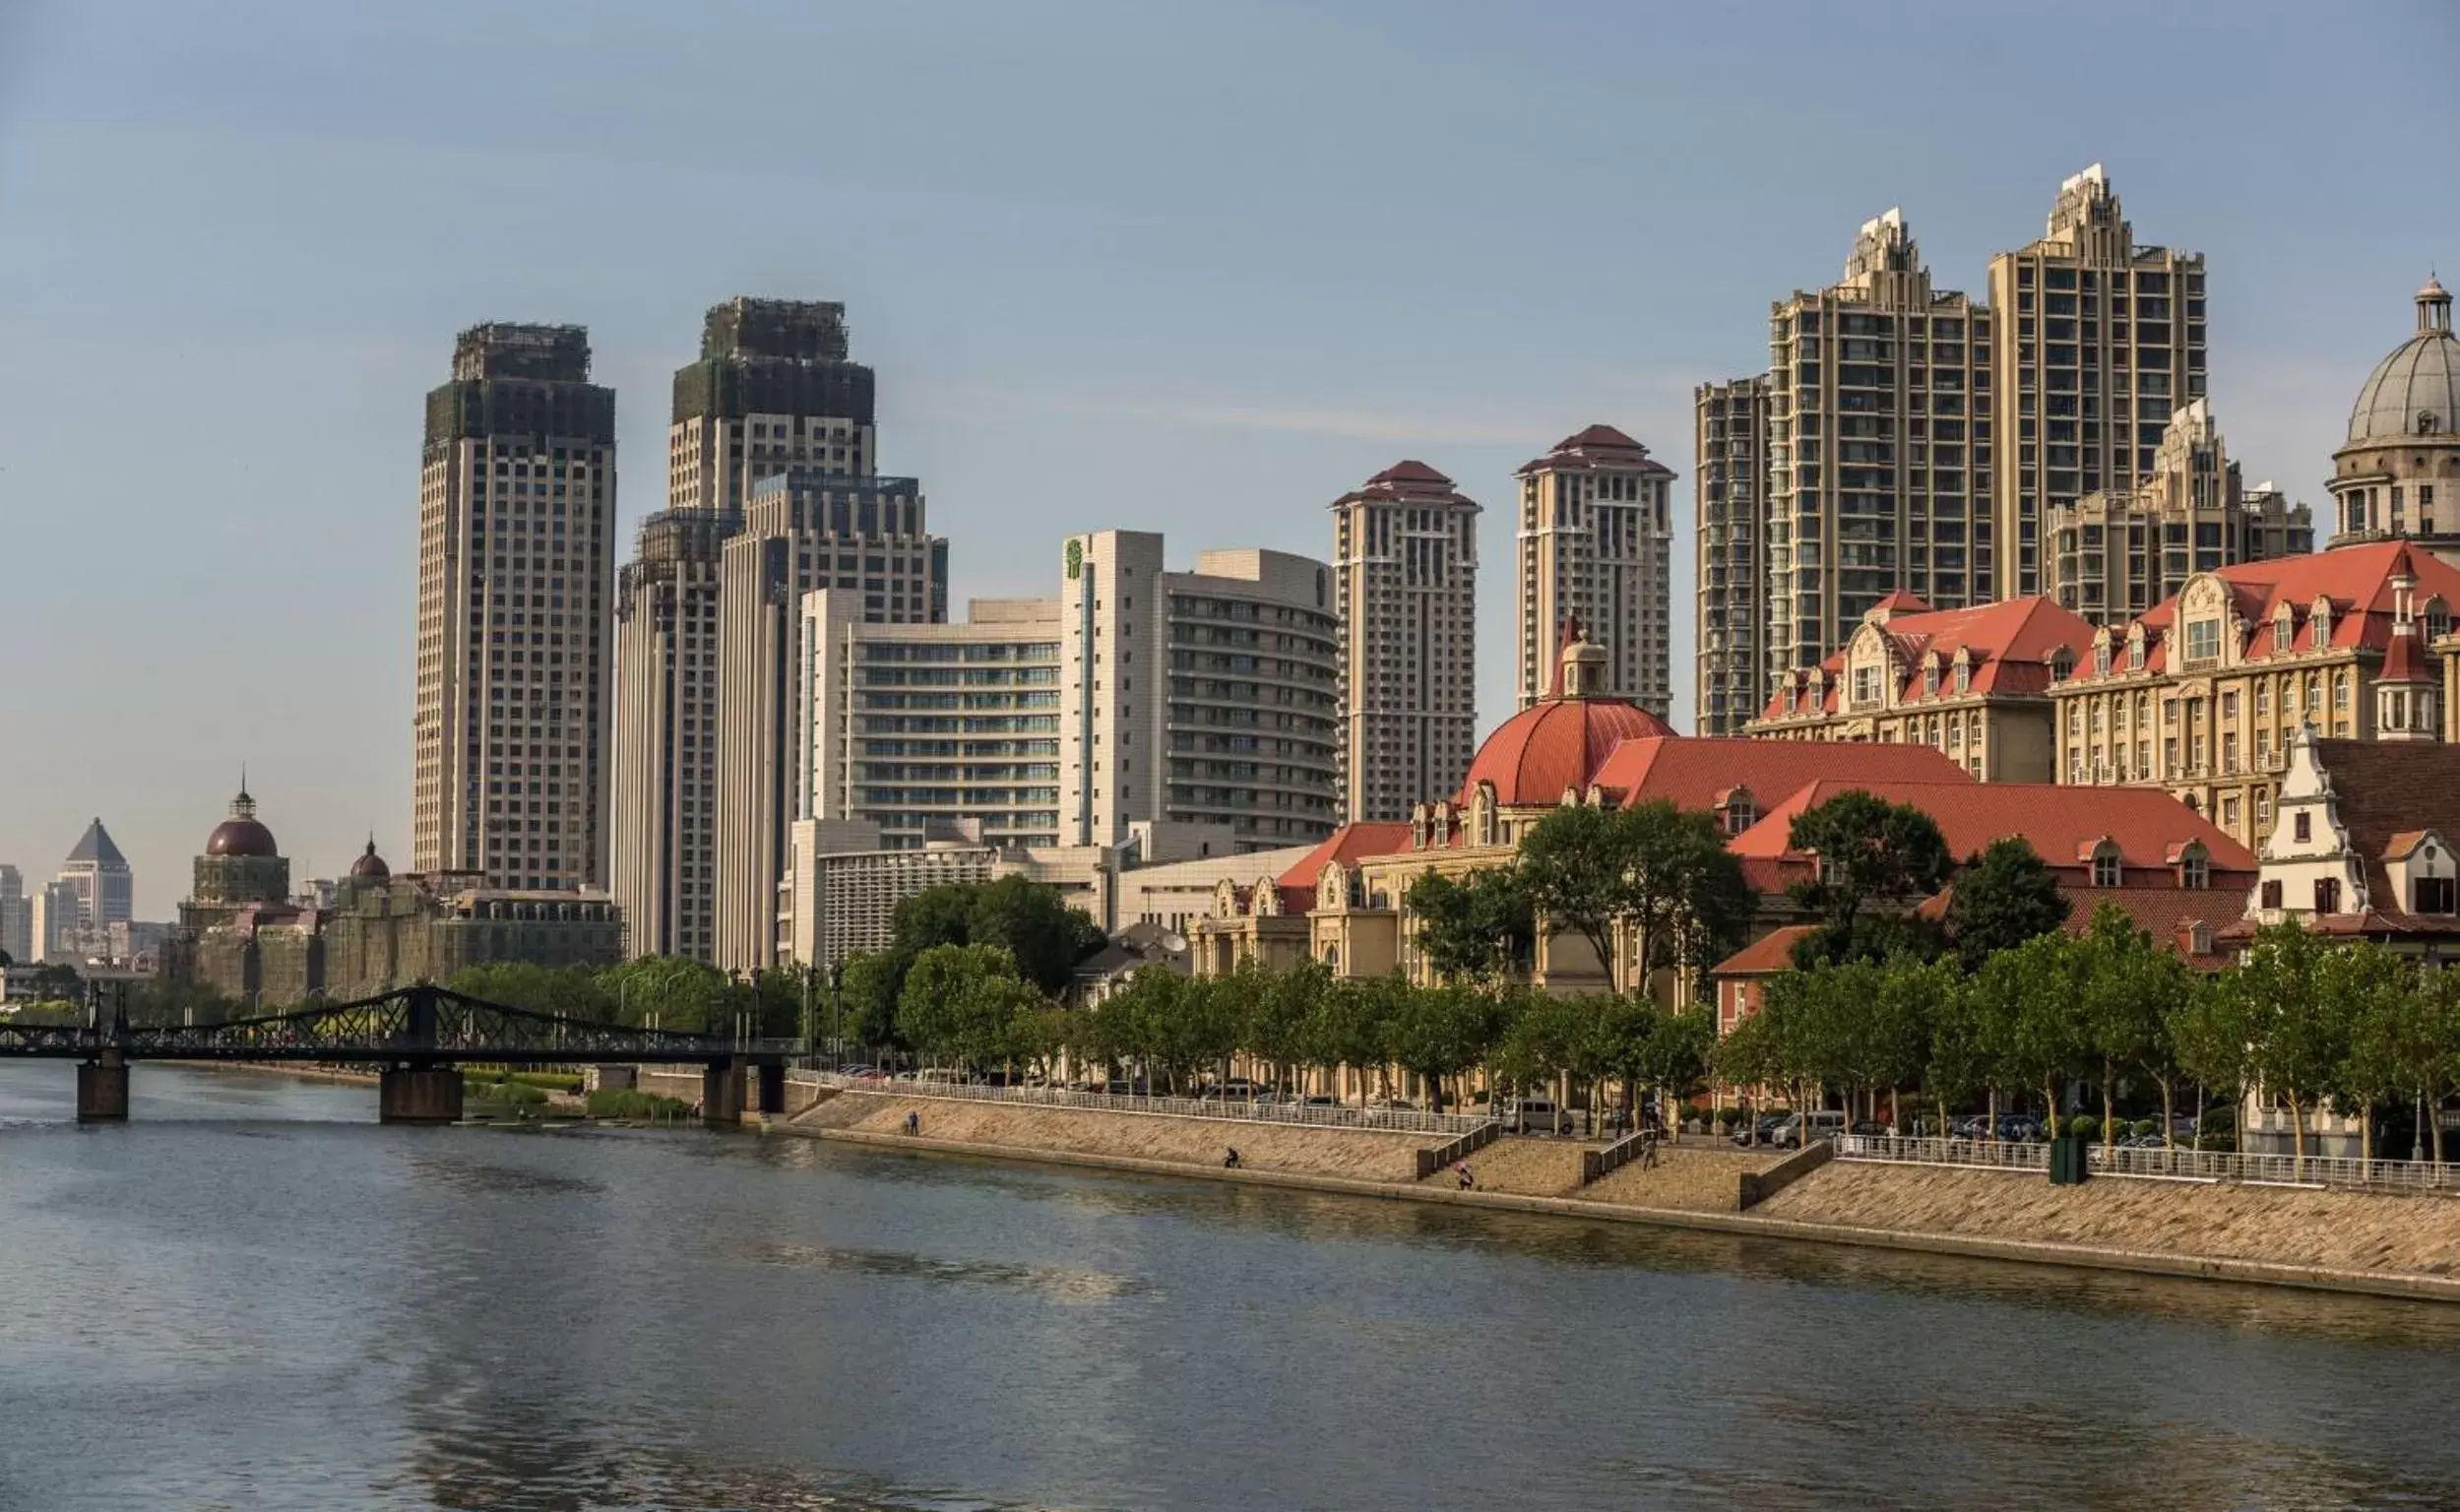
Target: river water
x,y
254,1298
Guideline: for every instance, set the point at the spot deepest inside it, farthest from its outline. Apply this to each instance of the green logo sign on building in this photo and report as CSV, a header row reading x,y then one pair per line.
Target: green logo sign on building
x,y
1076,558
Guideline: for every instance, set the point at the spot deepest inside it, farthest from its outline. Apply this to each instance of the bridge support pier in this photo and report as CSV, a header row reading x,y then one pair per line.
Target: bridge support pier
x,y
419,1094
771,1078
103,1089
722,1093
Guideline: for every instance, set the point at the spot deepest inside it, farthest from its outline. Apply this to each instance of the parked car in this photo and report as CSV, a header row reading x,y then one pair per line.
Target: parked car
x,y
1866,1126
1318,1100
1757,1131
1825,1123
1531,1116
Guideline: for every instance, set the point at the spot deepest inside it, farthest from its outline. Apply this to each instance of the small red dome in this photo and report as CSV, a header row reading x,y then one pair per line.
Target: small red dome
x,y
1547,749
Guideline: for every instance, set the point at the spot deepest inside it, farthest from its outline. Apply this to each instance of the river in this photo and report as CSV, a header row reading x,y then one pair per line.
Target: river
x,y
254,1298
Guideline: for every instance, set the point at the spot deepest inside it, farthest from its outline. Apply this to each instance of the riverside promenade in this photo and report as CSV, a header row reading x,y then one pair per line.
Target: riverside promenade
x,y
2400,1245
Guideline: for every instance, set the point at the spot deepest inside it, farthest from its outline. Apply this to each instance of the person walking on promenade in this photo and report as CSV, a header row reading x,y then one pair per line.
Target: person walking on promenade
x,y
1461,1170
1229,1162
1648,1148
913,1124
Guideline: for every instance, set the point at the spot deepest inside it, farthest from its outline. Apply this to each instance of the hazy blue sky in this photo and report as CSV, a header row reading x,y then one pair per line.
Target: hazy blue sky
x,y
1117,264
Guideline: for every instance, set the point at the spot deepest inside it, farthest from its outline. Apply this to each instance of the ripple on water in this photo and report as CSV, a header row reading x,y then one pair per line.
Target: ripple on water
x,y
1063,1284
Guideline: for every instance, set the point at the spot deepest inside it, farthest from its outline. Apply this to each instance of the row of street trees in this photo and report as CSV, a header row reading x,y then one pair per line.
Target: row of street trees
x,y
2303,1019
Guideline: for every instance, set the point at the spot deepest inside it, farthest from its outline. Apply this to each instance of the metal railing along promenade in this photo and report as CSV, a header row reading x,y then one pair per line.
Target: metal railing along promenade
x,y
2174,1164
1235,1109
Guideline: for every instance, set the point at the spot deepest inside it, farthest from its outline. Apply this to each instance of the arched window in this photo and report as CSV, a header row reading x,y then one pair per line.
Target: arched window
x,y
2195,869
1964,673
2437,619
2106,872
2101,658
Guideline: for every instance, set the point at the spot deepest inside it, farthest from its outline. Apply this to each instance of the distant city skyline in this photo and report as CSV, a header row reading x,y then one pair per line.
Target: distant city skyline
x,y
230,270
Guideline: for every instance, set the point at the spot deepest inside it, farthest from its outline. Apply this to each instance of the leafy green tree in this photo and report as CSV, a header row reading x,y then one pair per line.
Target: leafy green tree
x,y
1346,1029
1959,1065
1876,859
567,991
2004,897
1437,1032
2211,1034
2378,994
1653,870
2126,990
2028,1000
868,992
670,991
1668,1049
1574,863
2297,1032
1480,929
960,1002
1035,925
1279,1007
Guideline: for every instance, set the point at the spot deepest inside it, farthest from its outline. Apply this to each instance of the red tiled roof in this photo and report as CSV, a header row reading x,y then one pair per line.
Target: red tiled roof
x,y
2163,913
1902,602
1408,478
2063,824
1573,449
1692,769
2010,643
2403,659
1349,845
1555,746
1770,953
2356,581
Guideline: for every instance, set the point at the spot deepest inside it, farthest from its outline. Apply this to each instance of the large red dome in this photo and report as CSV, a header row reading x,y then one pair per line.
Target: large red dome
x,y
1547,749
241,834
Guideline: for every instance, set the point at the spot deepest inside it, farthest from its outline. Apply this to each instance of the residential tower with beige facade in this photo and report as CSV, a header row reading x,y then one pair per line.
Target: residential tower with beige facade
x,y
1594,545
1405,580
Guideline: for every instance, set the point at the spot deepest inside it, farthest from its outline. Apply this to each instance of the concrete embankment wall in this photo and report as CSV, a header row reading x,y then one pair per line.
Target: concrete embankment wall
x,y
1191,1142
2363,1232
683,1083
2343,1242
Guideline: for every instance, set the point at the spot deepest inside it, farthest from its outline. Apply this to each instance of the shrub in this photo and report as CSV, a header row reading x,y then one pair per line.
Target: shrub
x,y
2220,1139
2084,1126
623,1103
2145,1126
503,1092
552,1081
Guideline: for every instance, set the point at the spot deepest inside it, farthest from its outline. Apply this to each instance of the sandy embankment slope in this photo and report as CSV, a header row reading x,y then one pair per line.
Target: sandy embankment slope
x,y
2281,1226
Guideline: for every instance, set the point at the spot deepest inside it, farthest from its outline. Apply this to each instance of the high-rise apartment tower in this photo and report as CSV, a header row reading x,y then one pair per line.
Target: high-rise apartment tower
x,y
1730,432
1405,582
1878,449
2101,340
517,514
1595,543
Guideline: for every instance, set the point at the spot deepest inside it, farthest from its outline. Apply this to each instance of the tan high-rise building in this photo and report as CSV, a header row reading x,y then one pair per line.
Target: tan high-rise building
x,y
1205,697
774,388
1879,448
665,734
1730,434
1596,542
517,512
804,528
1405,580
2116,554
2102,342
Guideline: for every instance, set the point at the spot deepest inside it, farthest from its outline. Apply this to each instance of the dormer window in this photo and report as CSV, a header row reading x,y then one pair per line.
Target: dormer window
x,y
2106,871
1930,678
2195,869
2319,624
2430,895
1963,675
2203,640
2437,619
1741,813
2101,658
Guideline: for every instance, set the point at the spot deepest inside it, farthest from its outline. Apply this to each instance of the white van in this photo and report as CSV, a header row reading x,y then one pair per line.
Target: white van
x,y
1531,1116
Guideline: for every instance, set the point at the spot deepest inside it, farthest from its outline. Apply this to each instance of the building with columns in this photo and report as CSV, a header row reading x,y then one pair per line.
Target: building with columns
x,y
1405,580
2398,476
1595,544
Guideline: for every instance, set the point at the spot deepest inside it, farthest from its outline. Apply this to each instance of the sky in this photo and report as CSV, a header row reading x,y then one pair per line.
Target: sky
x,y
1159,266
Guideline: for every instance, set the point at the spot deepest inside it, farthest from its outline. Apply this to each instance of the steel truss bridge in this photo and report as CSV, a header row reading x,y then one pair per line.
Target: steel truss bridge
x,y
417,1035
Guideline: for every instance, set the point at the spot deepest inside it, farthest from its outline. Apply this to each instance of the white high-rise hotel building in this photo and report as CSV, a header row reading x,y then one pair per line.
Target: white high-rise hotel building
x,y
517,506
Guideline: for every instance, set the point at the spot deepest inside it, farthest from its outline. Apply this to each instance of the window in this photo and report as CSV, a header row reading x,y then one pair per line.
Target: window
x,y
2272,895
2327,895
2203,640
2433,895
1964,676
2195,868
2300,826
2340,691
2106,871
1866,685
